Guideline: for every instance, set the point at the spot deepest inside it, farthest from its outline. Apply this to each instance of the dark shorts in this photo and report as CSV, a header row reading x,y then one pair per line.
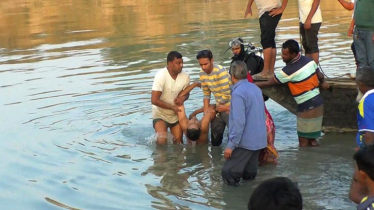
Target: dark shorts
x,y
268,24
169,125
309,38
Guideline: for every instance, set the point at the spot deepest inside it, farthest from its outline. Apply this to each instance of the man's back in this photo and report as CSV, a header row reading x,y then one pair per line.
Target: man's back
x,y
254,133
301,77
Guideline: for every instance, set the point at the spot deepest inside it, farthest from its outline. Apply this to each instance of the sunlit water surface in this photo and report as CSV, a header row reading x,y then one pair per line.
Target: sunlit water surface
x,y
75,112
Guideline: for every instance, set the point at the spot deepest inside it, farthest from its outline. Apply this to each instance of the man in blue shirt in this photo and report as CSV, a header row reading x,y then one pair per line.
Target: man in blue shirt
x,y
247,129
365,120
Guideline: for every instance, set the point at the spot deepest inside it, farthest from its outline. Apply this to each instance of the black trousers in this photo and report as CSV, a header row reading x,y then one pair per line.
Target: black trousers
x,y
242,164
217,127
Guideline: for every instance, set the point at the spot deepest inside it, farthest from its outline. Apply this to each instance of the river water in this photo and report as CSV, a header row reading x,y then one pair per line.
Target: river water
x,y
75,111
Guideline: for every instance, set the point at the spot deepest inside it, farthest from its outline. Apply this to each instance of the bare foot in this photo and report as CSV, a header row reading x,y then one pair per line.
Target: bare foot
x,y
313,143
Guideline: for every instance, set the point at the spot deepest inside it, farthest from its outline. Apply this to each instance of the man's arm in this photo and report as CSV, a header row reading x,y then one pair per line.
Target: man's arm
x,y
268,83
197,111
347,5
155,99
308,21
182,118
369,138
322,81
188,89
249,8
278,11
351,27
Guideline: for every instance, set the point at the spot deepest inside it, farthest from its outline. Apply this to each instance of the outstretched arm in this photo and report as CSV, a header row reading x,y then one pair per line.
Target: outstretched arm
x,y
188,89
183,121
270,82
347,5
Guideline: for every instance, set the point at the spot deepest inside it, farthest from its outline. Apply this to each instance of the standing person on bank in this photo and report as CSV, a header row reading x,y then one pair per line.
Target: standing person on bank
x,y
168,83
270,12
247,129
310,22
364,32
214,79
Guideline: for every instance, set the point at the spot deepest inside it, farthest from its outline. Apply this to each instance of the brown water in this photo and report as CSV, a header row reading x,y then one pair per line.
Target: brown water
x,y
75,112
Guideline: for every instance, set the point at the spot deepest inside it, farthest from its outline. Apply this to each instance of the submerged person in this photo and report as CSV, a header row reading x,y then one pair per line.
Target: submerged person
x,y
303,78
270,13
167,84
268,154
194,129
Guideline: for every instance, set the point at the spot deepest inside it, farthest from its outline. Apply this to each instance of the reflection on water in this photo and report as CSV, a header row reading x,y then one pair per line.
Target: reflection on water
x,y
75,80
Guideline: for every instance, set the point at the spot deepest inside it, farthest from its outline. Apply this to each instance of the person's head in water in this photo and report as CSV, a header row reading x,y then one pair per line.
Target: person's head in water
x,y
290,50
193,129
205,59
277,193
237,48
365,79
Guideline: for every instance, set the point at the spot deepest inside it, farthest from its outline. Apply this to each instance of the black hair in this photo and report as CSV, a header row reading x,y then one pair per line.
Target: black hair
x,y
365,75
204,54
292,46
193,134
173,55
277,193
365,160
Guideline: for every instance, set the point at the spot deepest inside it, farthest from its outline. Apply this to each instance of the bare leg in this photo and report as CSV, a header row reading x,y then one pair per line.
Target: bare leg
x,y
313,143
272,61
177,133
267,61
161,129
314,56
303,142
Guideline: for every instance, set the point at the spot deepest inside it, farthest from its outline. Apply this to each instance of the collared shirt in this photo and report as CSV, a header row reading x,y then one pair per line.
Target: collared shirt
x,y
217,82
365,117
301,77
247,127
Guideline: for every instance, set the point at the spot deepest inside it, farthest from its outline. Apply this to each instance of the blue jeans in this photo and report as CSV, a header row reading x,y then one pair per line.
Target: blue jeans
x,y
364,44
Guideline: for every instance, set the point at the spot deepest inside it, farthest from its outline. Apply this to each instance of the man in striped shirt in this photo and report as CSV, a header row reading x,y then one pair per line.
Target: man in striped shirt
x,y
303,77
215,79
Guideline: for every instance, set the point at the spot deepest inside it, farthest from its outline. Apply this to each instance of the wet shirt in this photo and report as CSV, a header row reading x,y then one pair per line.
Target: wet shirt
x,y
217,82
301,77
365,117
170,89
247,128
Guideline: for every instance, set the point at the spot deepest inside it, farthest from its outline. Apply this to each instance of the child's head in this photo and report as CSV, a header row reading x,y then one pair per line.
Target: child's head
x,y
364,164
276,193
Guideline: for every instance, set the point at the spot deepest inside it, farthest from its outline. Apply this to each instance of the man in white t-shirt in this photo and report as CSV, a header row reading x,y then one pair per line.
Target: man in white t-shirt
x,y
310,22
168,83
